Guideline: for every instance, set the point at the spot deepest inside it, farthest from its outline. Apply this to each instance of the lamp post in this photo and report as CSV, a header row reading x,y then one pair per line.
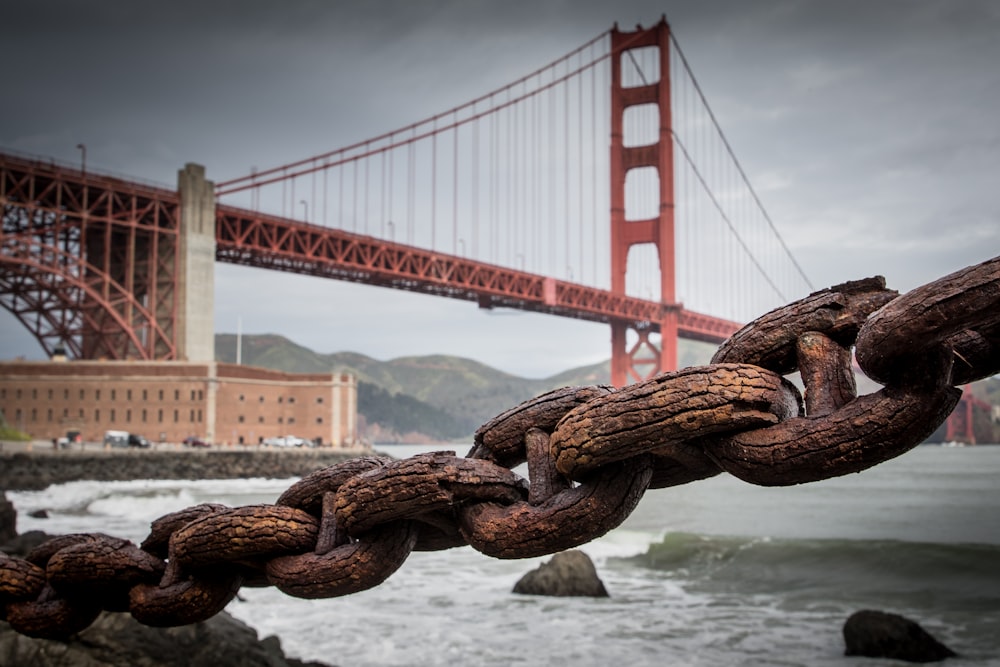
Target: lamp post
x,y
392,230
305,208
83,158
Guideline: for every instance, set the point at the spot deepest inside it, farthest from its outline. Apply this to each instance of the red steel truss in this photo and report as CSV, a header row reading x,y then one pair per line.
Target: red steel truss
x,y
256,239
89,262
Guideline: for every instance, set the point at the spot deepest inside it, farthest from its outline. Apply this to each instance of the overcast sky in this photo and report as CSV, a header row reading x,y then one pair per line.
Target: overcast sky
x,y
871,130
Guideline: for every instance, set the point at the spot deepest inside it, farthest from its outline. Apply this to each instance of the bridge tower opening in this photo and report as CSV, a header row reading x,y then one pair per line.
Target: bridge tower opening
x,y
633,361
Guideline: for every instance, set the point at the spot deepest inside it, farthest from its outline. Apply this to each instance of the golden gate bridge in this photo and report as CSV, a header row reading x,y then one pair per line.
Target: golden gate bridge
x,y
504,200
598,187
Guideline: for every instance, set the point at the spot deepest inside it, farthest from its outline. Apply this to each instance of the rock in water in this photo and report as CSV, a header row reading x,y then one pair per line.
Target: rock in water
x,y
569,573
8,519
877,634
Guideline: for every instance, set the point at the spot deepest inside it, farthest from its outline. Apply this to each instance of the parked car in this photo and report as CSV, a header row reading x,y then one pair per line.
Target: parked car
x,y
285,441
116,439
136,440
192,441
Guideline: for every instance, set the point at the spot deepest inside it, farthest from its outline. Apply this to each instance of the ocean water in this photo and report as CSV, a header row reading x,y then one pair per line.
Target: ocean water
x,y
717,572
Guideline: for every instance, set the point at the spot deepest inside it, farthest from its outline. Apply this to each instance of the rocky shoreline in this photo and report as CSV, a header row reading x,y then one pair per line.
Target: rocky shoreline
x,y
38,469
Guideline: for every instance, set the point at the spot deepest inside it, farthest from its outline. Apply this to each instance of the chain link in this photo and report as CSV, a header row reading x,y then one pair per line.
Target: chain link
x,y
591,453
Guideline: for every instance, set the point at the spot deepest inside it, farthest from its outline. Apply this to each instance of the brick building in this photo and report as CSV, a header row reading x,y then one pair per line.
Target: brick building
x,y
167,401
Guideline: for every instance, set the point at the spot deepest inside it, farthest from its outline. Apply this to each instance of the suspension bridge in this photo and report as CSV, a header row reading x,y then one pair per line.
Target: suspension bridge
x,y
599,187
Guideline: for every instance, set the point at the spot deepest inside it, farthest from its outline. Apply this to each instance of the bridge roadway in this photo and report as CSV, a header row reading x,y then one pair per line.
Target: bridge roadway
x,y
46,202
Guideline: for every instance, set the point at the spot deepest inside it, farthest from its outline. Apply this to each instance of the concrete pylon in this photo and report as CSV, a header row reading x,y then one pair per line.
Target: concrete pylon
x,y
196,279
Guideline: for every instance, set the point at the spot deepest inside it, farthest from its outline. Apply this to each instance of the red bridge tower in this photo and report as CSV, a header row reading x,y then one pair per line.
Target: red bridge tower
x,y
644,358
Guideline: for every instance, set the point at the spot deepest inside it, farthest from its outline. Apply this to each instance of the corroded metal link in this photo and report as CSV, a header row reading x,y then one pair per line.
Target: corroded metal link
x,y
346,528
191,600
668,409
867,431
254,531
41,553
566,520
103,569
307,493
160,531
501,439
422,484
50,616
838,311
349,568
19,579
826,371
928,317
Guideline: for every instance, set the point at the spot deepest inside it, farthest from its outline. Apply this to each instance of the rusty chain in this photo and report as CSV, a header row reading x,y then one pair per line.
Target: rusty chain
x,y
591,453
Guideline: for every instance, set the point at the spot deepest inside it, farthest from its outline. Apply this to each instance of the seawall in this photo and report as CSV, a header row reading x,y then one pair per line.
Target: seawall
x,y
37,469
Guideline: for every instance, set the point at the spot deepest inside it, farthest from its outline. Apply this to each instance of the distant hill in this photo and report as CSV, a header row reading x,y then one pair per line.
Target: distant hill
x,y
429,398
441,398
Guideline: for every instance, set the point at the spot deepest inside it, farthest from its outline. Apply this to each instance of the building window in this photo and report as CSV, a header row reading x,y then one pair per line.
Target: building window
x,y
319,420
192,417
18,396
81,413
240,419
50,394
291,420
97,415
281,420
66,412
144,394
177,416
34,394
199,416
177,394
261,399
144,415
50,415
114,394
159,415
128,416
291,399
260,419
66,394
161,394
241,398
97,394
280,399
34,414
112,415
81,394
201,395
319,399
128,394
192,394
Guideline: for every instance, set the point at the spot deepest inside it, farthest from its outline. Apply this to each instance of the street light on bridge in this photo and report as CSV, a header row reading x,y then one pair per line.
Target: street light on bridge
x,y
83,158
305,209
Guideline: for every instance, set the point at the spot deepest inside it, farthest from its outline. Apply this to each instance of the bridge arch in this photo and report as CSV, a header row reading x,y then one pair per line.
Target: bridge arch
x,y
66,302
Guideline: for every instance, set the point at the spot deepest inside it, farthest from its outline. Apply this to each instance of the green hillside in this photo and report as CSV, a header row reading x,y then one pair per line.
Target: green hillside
x,y
435,397
440,398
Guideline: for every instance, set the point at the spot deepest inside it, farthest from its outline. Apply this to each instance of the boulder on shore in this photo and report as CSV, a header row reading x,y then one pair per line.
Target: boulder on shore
x,y
569,573
118,639
8,519
878,634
